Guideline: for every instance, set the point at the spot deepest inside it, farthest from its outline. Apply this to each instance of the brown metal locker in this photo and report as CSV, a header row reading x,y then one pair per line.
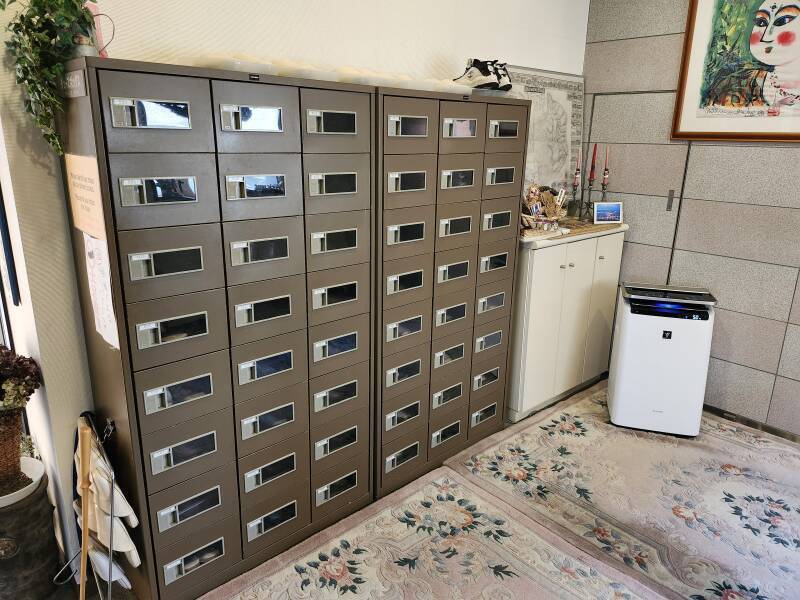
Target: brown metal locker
x,y
263,249
168,261
339,393
144,112
409,180
183,390
457,225
338,293
266,308
337,239
266,420
462,127
459,178
337,182
506,128
408,232
335,122
253,117
161,190
406,326
409,125
257,186
177,327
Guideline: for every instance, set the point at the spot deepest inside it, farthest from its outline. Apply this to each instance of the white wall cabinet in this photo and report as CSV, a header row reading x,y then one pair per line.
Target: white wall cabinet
x,y
563,316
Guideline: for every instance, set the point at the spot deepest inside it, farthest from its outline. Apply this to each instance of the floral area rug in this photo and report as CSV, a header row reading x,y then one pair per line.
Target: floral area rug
x,y
439,537
717,516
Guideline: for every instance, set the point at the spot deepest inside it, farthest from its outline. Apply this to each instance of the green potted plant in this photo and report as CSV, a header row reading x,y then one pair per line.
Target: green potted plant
x,y
19,378
44,34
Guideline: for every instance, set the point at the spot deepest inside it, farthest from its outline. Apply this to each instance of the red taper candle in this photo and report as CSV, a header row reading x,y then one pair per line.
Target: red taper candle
x,y
592,172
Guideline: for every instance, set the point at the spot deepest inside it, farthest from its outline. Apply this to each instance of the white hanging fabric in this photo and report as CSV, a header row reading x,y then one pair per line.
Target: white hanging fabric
x,y
109,514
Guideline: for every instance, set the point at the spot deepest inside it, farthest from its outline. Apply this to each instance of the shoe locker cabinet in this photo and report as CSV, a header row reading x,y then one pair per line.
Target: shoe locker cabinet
x,y
227,299
450,174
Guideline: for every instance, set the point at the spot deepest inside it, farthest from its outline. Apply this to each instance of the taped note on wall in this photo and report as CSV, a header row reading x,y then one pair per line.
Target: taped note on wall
x,y
85,199
98,276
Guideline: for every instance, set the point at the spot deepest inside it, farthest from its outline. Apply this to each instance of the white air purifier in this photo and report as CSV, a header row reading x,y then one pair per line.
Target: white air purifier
x,y
660,355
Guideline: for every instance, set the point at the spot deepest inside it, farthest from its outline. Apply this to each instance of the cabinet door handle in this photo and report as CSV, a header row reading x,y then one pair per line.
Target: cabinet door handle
x,y
563,266
602,258
571,265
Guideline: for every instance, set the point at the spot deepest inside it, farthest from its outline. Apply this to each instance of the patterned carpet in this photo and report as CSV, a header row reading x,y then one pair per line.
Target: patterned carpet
x,y
717,516
565,505
439,537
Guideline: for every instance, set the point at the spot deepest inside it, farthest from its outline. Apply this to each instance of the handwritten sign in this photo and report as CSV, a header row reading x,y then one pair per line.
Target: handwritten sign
x,y
85,199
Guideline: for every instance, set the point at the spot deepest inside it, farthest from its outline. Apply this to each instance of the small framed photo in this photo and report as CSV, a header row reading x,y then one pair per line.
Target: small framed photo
x,y
607,212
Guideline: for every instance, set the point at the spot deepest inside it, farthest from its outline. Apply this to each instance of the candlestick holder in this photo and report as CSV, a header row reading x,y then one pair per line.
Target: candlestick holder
x,y
575,203
587,206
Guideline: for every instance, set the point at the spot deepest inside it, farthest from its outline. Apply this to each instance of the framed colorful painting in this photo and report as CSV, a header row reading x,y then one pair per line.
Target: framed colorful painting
x,y
740,78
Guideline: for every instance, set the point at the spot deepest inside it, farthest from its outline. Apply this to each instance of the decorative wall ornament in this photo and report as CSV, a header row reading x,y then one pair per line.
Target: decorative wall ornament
x,y
740,78
556,124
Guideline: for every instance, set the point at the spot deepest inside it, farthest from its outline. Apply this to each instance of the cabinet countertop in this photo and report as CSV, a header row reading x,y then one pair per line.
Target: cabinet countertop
x,y
532,243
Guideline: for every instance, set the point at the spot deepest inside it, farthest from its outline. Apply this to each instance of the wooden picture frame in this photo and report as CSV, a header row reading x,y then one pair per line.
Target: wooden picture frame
x,y
740,97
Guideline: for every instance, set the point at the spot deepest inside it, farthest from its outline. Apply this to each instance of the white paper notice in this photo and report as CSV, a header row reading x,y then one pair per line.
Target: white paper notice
x,y
98,273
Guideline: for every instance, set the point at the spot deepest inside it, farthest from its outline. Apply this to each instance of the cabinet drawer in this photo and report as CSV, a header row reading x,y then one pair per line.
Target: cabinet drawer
x,y
264,366
200,555
403,413
337,182
447,434
255,186
143,112
403,459
499,219
170,329
459,178
339,440
493,301
406,327
266,420
409,125
339,393
188,449
491,339
507,128
337,240
452,313
169,261
407,280
485,415
160,190
333,346
454,270
496,261
451,356
503,174
338,486
457,225
275,518
335,121
263,249
462,127
408,232
338,293
409,180
405,371
450,393
266,308
488,377
193,505
264,473
183,390
254,117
